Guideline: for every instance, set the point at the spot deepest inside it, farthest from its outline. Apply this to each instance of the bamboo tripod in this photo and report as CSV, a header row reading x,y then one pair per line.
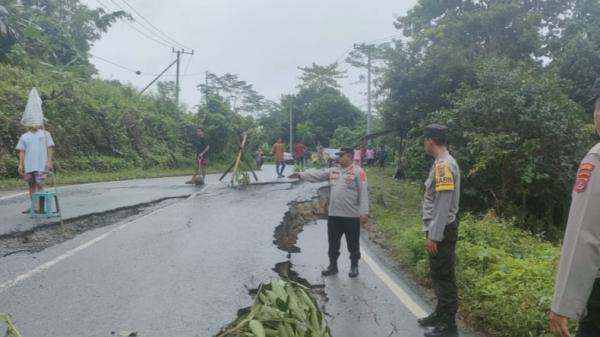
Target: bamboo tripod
x,y
239,159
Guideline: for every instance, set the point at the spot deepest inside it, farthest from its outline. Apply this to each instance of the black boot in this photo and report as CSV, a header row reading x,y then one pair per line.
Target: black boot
x,y
353,269
432,320
332,269
445,328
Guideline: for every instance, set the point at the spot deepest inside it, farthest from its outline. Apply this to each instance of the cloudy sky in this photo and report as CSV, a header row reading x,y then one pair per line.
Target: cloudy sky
x,y
263,41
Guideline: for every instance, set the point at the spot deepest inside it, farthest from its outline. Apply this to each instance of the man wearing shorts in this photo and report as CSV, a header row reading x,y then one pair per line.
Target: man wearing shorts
x,y
36,149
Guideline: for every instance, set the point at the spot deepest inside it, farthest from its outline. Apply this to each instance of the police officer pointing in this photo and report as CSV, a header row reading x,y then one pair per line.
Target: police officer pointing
x,y
577,289
348,207
440,223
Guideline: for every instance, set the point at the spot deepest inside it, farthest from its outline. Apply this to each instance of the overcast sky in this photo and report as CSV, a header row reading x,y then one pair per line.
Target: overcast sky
x,y
263,41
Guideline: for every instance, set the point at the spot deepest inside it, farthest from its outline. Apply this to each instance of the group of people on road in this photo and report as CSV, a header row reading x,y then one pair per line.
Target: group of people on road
x,y
577,288
349,208
368,156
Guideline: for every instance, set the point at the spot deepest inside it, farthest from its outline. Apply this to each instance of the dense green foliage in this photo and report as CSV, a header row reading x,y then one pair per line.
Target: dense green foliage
x,y
318,109
505,275
510,79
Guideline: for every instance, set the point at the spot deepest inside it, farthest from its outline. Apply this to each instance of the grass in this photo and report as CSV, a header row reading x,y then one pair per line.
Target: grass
x,y
70,178
505,275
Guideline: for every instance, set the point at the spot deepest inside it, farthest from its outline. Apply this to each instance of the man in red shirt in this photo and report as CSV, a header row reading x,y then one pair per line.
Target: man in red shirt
x,y
299,151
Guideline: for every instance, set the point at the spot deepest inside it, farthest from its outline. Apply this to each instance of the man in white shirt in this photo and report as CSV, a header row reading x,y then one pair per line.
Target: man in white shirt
x,y
36,149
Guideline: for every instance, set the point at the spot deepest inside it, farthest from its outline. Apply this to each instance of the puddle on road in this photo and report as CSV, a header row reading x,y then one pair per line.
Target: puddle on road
x,y
48,235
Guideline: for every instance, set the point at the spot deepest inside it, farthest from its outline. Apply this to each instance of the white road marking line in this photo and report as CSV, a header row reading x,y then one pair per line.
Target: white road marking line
x,y
13,196
406,300
45,266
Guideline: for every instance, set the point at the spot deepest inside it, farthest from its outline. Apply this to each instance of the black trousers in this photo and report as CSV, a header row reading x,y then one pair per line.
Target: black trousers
x,y
589,326
442,274
338,226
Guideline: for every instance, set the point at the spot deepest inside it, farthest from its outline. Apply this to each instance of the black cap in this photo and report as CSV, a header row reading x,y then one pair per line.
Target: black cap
x,y
345,150
594,92
437,132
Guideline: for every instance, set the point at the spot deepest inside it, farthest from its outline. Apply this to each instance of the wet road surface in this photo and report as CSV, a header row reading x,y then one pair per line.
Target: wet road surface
x,y
185,269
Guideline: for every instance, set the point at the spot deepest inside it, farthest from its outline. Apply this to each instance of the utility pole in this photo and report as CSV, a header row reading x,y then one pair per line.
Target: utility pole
x,y
206,87
179,52
369,92
367,49
291,134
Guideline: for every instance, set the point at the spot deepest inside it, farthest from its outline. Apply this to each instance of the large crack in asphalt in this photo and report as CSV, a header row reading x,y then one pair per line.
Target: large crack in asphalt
x,y
285,237
49,234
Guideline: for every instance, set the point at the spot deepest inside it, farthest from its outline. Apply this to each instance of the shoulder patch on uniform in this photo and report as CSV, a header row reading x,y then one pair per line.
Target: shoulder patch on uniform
x,y
583,176
362,176
444,180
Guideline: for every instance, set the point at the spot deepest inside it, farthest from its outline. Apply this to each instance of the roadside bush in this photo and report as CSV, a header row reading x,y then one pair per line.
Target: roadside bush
x,y
505,275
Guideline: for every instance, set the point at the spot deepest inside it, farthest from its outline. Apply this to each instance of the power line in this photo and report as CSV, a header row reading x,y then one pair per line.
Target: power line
x,y
153,26
121,66
135,28
148,30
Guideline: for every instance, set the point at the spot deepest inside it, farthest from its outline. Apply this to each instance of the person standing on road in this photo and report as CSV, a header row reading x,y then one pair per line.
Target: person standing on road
x,y
577,289
321,155
260,157
36,151
348,207
299,151
358,155
202,147
278,155
440,224
370,154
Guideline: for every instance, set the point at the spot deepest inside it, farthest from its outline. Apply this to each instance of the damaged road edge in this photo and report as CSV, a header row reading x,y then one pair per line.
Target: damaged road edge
x,y
49,234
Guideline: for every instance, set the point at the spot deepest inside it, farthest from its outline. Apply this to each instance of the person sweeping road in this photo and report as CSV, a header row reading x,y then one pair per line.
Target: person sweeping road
x,y
202,147
348,207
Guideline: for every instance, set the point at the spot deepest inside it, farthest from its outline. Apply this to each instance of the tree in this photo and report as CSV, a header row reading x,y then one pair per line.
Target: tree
x,y
320,77
518,139
239,95
59,33
575,52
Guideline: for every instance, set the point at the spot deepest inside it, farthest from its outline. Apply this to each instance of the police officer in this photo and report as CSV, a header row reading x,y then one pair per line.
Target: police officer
x,y
440,223
577,289
348,207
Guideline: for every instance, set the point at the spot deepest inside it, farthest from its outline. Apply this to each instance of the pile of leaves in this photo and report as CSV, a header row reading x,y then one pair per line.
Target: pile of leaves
x,y
11,329
281,308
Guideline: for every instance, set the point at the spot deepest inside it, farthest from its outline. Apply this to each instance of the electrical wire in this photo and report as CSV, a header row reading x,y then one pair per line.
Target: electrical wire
x,y
135,28
121,66
148,30
153,26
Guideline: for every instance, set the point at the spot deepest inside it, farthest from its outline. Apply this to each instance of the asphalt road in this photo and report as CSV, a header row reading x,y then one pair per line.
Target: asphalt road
x,y
185,269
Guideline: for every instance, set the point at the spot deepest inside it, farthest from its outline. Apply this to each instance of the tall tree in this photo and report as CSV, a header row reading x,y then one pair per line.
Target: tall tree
x,y
320,77
239,94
